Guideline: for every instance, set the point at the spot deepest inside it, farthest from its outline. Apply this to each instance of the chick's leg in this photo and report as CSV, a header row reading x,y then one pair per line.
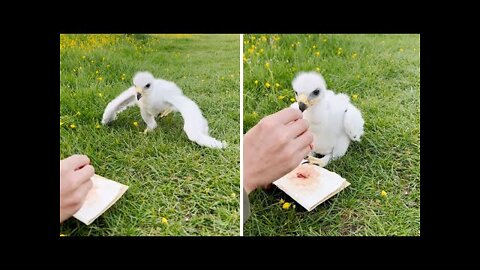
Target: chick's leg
x,y
149,120
322,162
166,112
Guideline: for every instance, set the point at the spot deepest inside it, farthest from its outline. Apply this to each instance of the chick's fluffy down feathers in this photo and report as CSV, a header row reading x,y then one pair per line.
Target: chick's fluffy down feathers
x,y
334,120
157,96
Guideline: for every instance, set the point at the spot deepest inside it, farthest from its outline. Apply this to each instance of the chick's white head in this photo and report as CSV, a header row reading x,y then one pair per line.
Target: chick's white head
x,y
309,88
142,81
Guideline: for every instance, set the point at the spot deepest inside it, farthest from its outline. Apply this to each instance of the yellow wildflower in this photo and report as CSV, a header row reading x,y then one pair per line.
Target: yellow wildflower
x,y
62,235
354,97
96,71
83,57
281,97
317,53
164,220
97,126
61,123
254,114
286,205
100,78
292,99
339,51
314,46
267,65
277,85
73,126
267,85
255,82
354,55
401,49
100,94
317,69
135,123
383,193
78,113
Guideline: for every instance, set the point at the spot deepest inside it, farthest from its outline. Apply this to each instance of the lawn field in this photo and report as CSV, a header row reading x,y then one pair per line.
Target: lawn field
x,y
381,74
176,187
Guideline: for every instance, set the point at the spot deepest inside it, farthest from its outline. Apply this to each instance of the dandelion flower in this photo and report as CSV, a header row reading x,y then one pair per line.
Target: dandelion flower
x,y
317,53
83,57
96,71
286,205
383,193
314,46
255,82
277,85
339,51
292,99
61,123
73,126
97,126
317,69
281,97
164,220
267,65
100,94
135,123
354,97
267,85
92,61
354,55
100,78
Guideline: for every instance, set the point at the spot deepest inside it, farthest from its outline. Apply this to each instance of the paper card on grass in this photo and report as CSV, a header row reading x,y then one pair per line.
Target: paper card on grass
x,y
310,185
103,194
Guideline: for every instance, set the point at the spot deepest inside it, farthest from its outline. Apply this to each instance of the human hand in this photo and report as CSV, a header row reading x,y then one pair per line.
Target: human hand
x,y
274,147
75,174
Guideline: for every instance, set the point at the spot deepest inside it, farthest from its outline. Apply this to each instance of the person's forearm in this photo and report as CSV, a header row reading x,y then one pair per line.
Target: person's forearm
x,y
246,206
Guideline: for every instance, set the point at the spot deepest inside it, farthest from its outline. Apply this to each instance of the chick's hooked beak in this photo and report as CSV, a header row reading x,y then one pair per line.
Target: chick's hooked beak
x,y
139,92
302,102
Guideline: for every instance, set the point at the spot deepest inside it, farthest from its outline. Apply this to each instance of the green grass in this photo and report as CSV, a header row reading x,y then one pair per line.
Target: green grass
x,y
195,188
384,72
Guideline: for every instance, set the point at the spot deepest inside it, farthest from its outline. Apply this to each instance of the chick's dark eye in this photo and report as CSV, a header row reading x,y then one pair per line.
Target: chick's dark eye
x,y
316,92
295,92
148,85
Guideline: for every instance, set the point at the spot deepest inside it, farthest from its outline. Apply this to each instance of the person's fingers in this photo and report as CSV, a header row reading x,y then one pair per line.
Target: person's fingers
x,y
81,192
287,115
296,128
304,141
83,175
76,161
